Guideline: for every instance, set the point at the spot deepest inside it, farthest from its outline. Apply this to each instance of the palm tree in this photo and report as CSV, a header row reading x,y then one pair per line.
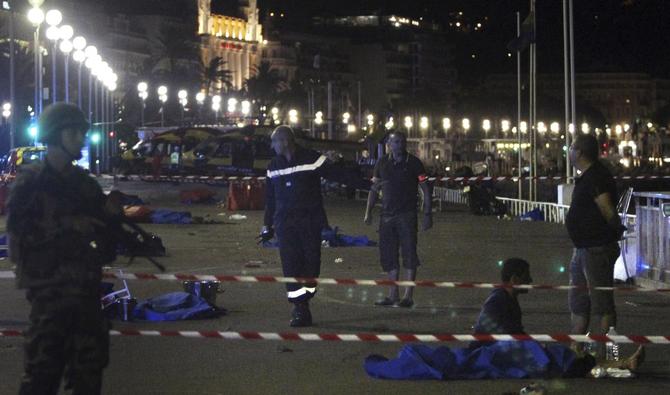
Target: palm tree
x,y
264,84
178,52
215,73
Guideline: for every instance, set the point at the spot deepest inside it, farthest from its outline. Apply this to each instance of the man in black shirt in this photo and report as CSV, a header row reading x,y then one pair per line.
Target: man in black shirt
x,y
595,228
397,175
294,208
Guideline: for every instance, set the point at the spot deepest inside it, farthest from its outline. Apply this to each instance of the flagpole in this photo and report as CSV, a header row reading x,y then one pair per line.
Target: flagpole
x,y
572,73
534,99
518,104
566,89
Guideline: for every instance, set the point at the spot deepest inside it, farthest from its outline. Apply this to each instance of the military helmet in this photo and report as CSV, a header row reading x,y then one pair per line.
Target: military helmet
x,y
57,117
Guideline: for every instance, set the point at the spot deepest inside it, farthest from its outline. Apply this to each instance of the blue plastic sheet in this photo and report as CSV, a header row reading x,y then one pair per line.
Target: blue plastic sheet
x,y
334,239
497,360
164,216
176,306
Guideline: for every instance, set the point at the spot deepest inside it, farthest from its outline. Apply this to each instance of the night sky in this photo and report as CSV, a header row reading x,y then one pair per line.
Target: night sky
x,y
610,35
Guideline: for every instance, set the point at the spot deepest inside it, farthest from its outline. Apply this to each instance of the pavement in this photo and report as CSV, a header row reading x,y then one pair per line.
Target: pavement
x,y
460,247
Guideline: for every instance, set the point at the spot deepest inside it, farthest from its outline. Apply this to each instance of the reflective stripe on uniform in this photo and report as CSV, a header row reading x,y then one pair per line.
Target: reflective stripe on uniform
x,y
300,292
296,169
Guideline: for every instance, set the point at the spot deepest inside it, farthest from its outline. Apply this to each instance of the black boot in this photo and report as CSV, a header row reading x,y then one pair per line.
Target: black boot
x,y
301,316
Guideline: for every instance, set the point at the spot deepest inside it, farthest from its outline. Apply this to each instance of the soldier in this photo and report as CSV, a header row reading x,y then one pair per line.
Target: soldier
x,y
57,215
294,208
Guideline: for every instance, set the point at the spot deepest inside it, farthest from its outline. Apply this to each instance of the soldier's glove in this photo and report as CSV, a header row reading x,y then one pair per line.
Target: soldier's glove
x,y
266,235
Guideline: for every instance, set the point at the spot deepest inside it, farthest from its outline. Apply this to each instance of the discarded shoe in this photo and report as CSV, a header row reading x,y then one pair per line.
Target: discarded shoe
x,y
406,303
301,316
386,302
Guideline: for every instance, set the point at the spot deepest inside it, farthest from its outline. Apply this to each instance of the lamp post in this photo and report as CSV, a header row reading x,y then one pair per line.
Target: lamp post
x,y
183,100
423,123
465,123
446,124
216,106
246,108
92,58
6,111
162,96
408,124
143,94
66,48
200,98
486,125
36,17
79,56
53,19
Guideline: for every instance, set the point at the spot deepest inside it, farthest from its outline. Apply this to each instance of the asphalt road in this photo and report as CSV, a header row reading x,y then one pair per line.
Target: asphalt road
x,y
460,247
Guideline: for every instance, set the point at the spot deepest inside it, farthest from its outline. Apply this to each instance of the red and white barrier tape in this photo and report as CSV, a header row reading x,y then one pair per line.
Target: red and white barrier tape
x,y
224,179
340,281
378,337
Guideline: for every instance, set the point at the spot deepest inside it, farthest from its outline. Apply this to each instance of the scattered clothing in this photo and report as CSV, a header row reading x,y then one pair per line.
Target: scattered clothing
x,y
533,215
199,195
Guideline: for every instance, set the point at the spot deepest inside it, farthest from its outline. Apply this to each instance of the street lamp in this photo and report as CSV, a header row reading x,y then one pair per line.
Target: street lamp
x,y
66,47
618,130
423,123
505,125
275,115
53,19
486,125
6,110
523,127
446,124
200,98
555,127
541,127
232,104
162,96
216,106
79,56
408,123
389,124
466,124
371,120
585,128
143,94
183,100
293,116
345,118
36,17
318,118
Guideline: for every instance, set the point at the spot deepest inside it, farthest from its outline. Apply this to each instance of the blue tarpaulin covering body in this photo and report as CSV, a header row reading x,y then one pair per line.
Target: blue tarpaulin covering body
x,y
497,360
176,306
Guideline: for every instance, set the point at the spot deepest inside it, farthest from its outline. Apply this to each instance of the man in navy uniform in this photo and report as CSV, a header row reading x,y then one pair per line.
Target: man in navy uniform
x,y
294,209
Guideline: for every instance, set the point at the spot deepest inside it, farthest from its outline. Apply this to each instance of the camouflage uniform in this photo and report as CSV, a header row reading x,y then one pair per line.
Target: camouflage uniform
x,y
61,270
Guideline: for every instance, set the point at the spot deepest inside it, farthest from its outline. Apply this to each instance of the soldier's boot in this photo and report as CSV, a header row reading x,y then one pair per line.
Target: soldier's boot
x,y
301,316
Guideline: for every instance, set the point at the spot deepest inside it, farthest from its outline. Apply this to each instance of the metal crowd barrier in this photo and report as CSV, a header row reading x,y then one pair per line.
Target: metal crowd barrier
x,y
652,227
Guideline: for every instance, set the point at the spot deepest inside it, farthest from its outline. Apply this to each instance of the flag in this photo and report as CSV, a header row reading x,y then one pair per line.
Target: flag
x,y
527,35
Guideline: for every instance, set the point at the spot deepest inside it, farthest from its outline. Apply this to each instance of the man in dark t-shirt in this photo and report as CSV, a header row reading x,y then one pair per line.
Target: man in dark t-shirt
x,y
594,228
398,175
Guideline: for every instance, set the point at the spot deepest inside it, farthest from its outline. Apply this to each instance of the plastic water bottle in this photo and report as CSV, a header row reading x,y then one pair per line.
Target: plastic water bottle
x,y
612,349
